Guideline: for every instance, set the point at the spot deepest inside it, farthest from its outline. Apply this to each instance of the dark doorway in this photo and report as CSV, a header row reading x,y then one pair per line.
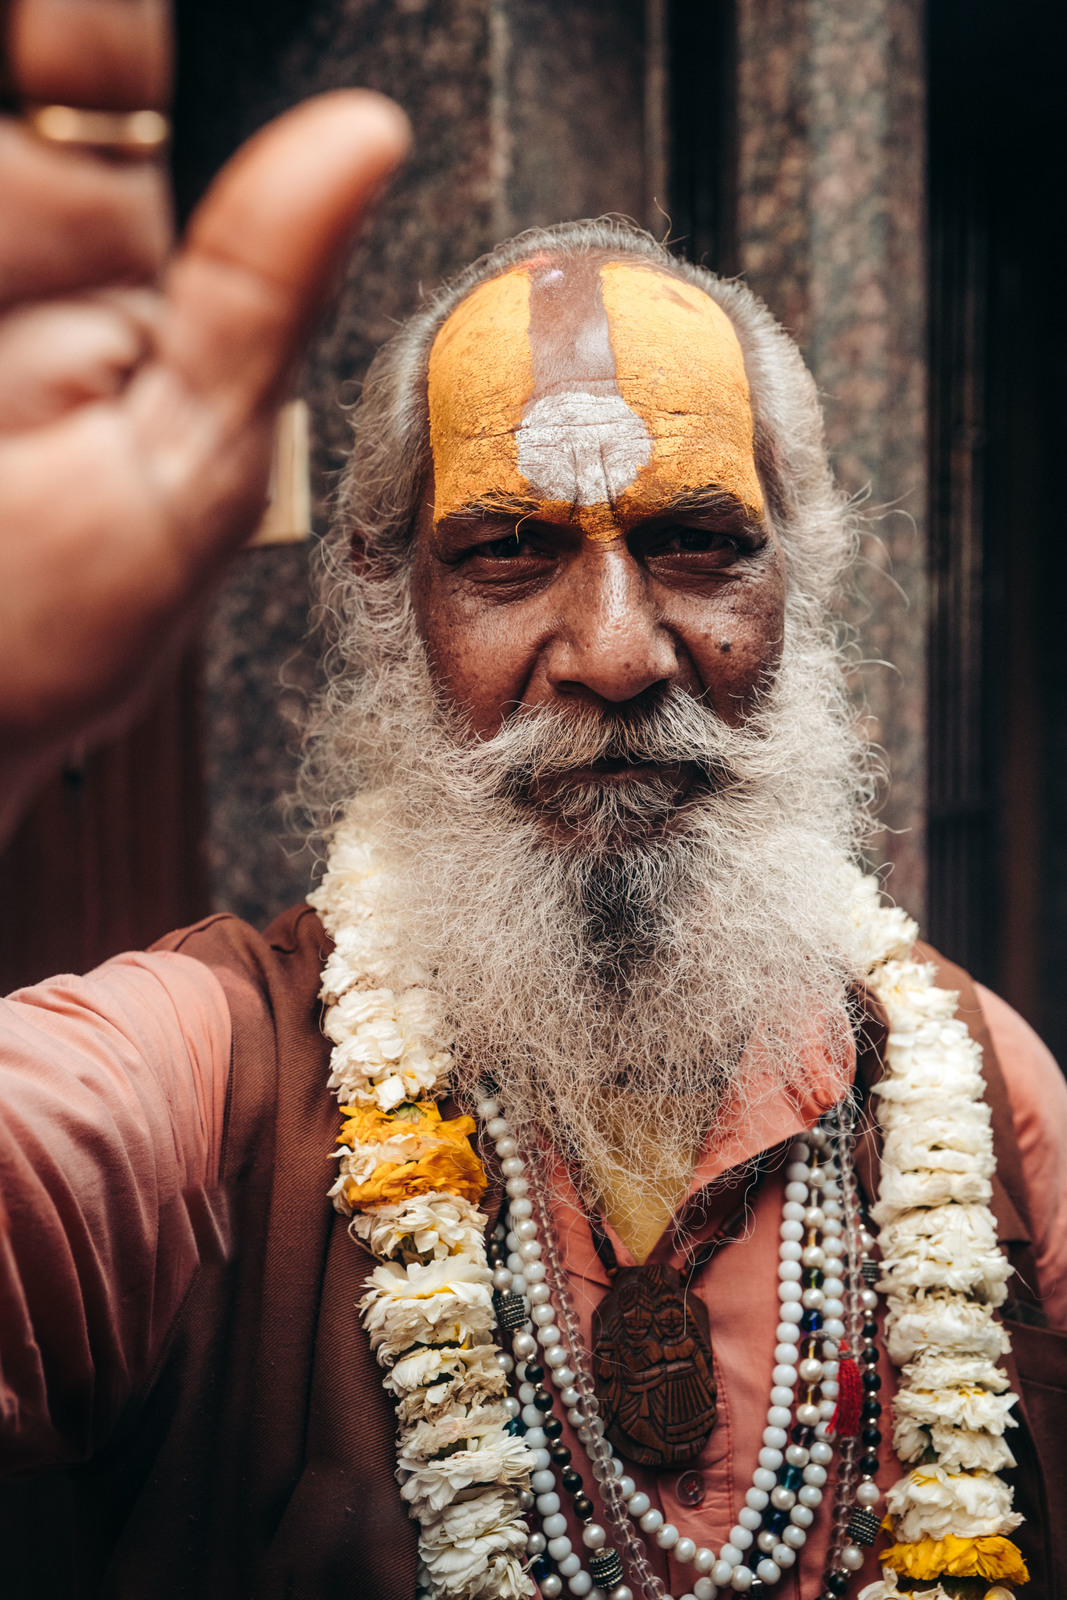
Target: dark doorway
x,y
998,679
702,131
108,857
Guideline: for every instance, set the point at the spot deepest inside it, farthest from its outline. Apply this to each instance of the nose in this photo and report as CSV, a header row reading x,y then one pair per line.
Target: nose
x,y
610,643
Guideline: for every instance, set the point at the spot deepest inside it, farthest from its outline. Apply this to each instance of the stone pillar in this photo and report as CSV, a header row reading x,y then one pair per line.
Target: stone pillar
x,y
831,233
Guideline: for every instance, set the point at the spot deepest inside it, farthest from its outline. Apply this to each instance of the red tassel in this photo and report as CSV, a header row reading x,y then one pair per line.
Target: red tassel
x,y
846,1419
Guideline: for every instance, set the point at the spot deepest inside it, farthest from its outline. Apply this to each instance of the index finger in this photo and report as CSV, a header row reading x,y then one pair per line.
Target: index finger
x,y
112,55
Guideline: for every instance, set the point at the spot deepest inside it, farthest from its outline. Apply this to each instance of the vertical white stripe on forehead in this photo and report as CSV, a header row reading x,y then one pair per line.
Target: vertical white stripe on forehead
x,y
584,449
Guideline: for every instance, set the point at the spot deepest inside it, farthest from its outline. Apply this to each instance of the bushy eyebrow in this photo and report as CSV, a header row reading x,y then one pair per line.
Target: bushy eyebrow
x,y
492,504
709,501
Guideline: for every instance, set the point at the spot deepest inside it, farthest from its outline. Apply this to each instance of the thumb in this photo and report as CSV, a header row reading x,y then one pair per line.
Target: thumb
x,y
263,249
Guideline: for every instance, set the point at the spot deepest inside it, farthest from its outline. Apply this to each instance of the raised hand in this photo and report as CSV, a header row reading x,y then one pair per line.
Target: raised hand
x,y
139,381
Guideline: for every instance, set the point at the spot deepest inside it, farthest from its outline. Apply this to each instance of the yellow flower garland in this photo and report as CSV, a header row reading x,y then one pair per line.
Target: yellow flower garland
x,y
991,1556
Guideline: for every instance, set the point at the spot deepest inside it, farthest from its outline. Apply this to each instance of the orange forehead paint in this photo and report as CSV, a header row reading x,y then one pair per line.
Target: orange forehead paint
x,y
481,376
679,366
598,390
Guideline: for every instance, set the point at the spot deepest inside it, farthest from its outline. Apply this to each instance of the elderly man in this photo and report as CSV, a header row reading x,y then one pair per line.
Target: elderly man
x,y
590,786
610,1015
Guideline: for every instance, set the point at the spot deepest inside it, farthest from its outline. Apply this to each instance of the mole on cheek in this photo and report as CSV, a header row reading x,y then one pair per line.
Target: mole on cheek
x,y
724,645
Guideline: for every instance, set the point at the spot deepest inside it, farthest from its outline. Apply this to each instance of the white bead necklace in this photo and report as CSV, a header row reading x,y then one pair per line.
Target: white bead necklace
x,y
821,1238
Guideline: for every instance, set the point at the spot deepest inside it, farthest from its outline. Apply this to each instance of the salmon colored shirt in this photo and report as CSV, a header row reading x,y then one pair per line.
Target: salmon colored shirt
x,y
112,1097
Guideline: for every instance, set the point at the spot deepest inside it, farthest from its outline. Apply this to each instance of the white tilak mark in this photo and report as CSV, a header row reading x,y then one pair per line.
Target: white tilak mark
x,y
582,448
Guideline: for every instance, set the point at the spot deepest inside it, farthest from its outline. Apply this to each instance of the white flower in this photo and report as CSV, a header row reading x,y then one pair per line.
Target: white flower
x,y
939,1323
958,1449
454,1390
472,1516
985,1277
896,937
909,1440
911,991
968,1406
452,1274
937,1135
930,1503
434,1365
940,1370
394,1041
351,883
911,998
929,1050
887,1589
900,1191
920,1079
947,1230
444,1302
886,932
947,1247
435,1483
370,1016
428,1225
476,1544
472,1577
460,1425
961,1450
365,956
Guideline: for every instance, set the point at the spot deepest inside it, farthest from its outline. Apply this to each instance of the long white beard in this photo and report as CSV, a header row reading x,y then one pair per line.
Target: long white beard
x,y
647,968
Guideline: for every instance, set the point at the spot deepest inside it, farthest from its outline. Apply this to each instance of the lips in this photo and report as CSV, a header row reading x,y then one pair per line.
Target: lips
x,y
623,767
610,770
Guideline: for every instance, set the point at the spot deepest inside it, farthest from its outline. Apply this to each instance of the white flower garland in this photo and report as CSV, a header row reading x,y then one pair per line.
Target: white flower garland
x,y
428,1309
942,1274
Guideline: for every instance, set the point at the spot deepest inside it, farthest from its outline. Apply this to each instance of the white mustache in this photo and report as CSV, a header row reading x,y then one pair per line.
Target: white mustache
x,y
673,729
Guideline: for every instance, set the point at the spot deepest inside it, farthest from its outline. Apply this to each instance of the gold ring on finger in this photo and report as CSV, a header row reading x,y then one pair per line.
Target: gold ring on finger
x,y
133,134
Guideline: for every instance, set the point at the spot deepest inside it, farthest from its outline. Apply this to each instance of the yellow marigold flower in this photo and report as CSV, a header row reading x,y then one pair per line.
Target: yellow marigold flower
x,y
369,1125
990,1556
445,1159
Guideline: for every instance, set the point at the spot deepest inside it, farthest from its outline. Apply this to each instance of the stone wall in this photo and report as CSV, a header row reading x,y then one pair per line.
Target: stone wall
x,y
831,232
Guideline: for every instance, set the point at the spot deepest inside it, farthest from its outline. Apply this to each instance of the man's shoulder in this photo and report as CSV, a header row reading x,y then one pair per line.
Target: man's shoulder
x,y
1026,1064
1029,1065
271,982
294,940
271,979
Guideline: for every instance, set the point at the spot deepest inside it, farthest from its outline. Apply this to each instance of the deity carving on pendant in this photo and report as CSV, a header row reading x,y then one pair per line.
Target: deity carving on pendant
x,y
652,1367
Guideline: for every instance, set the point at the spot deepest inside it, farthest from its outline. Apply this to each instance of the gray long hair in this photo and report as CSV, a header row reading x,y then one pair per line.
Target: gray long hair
x,y
390,464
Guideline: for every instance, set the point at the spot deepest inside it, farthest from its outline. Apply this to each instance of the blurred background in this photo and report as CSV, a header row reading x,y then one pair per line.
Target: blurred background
x,y
887,175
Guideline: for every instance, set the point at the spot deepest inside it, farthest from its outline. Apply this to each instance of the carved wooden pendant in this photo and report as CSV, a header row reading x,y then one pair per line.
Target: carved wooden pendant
x,y
652,1367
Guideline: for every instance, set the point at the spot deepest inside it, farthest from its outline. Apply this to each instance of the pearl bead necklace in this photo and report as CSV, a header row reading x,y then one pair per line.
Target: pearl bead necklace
x,y
824,1294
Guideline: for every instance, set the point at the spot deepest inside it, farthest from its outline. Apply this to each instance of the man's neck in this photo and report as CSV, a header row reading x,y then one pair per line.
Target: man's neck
x,y
640,1220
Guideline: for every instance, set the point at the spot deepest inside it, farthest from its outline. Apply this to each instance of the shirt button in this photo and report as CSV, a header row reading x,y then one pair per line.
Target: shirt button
x,y
691,1488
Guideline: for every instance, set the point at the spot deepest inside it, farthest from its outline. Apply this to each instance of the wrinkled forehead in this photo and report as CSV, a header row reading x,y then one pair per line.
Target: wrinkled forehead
x,y
604,389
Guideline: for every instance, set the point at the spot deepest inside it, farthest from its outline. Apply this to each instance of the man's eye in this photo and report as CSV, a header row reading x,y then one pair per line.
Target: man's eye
x,y
700,539
501,549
